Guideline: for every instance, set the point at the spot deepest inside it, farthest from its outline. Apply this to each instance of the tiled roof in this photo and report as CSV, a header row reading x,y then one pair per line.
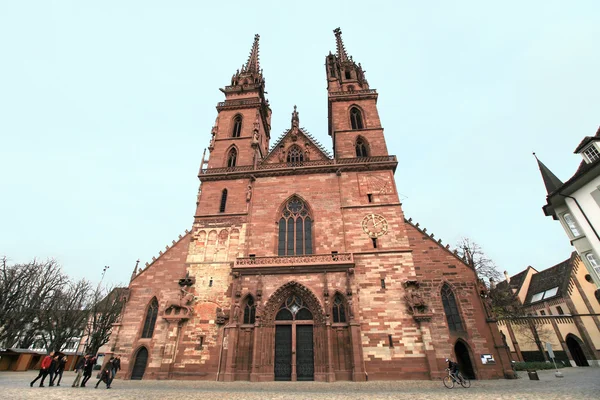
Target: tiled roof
x,y
516,281
556,276
587,140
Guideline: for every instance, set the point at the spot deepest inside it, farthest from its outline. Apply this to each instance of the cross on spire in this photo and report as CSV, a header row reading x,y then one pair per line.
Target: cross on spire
x,y
341,50
253,64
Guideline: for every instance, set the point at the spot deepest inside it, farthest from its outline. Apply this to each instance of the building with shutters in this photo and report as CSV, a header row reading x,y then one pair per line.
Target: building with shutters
x,y
300,264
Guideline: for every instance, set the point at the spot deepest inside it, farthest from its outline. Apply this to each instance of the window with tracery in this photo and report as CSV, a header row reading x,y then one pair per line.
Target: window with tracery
x,y
293,309
356,119
295,154
232,158
237,126
361,148
250,311
339,310
150,320
295,229
451,309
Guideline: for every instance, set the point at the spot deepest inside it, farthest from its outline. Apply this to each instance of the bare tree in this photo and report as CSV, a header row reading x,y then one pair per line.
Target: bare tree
x,y
25,289
65,314
105,311
533,333
473,253
505,303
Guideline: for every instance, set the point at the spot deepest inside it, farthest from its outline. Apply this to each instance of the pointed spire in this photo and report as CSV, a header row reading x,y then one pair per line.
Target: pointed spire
x,y
295,119
550,180
341,51
135,270
253,64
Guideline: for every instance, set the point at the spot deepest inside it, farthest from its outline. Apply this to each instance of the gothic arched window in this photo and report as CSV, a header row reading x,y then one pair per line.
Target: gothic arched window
x,y
223,200
356,118
293,308
295,229
150,320
237,126
250,311
339,310
451,309
295,154
361,148
232,158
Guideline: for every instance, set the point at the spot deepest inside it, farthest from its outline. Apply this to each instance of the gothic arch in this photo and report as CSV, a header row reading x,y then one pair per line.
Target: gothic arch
x,y
284,203
356,117
579,351
294,154
139,362
294,228
228,154
451,308
248,309
337,315
464,357
361,145
280,295
150,317
236,125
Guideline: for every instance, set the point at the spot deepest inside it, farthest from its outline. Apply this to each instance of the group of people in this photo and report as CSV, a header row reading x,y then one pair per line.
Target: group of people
x,y
54,365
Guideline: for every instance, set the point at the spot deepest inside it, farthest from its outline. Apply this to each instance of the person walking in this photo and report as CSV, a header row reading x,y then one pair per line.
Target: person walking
x,y
52,369
43,369
79,370
116,364
105,374
60,368
87,370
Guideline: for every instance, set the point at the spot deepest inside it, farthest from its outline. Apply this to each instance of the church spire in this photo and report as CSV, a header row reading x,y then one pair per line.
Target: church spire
x,y
295,119
341,50
253,64
550,180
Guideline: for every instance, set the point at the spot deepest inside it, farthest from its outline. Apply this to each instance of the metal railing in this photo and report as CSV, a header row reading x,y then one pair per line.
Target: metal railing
x,y
313,259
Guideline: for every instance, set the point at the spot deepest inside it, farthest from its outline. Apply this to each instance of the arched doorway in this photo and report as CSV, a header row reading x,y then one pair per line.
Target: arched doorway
x,y
463,358
294,348
576,351
139,365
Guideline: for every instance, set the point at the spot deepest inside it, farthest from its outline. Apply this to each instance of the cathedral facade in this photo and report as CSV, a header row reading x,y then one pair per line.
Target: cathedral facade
x,y
300,265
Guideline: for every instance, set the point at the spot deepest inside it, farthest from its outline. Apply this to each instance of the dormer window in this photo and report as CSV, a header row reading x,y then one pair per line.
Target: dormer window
x,y
591,153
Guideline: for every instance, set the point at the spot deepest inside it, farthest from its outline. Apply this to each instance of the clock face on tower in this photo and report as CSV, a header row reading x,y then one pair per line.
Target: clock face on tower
x,y
374,225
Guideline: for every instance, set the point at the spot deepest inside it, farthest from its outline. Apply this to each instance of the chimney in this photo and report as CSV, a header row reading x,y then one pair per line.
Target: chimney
x,y
507,277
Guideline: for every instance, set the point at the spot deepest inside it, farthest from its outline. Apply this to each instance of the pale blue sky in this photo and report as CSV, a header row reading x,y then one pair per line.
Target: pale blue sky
x,y
106,107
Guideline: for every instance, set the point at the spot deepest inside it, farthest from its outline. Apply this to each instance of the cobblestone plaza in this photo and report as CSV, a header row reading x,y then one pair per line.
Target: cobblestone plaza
x,y
578,383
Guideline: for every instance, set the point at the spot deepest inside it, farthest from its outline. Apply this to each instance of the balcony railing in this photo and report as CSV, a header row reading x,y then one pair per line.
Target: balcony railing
x,y
295,261
348,92
299,164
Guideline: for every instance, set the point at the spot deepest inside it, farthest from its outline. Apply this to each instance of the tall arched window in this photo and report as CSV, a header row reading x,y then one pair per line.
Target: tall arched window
x,y
237,126
150,320
451,309
295,229
356,118
250,311
361,148
295,154
339,309
223,200
232,158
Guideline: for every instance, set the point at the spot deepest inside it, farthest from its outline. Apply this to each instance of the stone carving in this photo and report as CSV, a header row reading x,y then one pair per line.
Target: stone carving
x,y
249,193
221,317
341,258
415,302
182,302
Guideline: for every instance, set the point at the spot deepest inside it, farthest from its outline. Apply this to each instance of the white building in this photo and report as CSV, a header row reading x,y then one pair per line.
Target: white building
x,y
576,204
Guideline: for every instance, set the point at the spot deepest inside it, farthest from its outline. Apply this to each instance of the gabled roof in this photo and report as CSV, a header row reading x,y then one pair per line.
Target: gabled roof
x,y
516,281
287,133
556,276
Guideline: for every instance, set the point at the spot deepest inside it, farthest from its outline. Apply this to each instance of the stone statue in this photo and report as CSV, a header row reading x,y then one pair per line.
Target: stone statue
x,y
183,301
249,193
415,302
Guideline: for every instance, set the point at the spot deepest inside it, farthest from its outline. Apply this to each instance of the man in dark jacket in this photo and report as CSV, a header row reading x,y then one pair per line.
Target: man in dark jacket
x,y
87,370
116,365
52,369
79,370
60,368
43,369
105,374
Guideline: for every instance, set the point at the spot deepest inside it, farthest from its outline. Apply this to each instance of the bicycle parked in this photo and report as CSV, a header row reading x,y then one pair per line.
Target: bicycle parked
x,y
451,379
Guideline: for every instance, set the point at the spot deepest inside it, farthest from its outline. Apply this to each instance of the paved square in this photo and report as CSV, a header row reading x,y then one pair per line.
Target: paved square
x,y
578,383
